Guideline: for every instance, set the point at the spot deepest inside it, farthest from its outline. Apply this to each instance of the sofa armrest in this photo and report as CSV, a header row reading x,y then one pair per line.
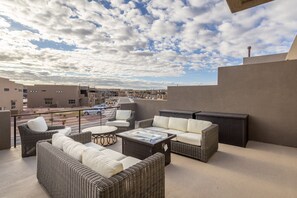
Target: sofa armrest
x,y
145,123
210,136
55,127
111,119
209,142
144,178
82,137
131,120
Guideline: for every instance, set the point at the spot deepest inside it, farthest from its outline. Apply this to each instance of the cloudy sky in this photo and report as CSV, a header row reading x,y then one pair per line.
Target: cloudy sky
x,y
140,44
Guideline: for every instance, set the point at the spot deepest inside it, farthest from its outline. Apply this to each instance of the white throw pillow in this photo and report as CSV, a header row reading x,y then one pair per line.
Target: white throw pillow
x,y
123,114
74,149
197,126
102,164
38,124
180,124
161,121
58,140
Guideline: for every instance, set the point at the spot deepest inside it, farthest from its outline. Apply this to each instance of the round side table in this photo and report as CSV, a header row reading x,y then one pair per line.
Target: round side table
x,y
104,135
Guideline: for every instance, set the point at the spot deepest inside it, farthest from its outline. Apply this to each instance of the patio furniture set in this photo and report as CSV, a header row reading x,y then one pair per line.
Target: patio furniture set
x,y
73,166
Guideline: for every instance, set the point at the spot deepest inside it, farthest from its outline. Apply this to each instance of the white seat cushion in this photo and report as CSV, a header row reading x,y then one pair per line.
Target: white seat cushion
x,y
161,121
103,165
129,161
159,129
113,154
95,146
123,114
175,132
38,124
119,123
197,126
58,140
190,138
179,124
90,153
74,149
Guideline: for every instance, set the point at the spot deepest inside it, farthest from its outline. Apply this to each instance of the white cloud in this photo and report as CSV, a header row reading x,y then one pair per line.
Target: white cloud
x,y
129,44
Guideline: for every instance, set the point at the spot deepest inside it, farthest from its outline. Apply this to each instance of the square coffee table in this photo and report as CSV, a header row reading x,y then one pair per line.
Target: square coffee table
x,y
142,143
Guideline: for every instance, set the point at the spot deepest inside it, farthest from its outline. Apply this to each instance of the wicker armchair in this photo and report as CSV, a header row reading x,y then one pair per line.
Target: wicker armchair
x,y
29,138
131,120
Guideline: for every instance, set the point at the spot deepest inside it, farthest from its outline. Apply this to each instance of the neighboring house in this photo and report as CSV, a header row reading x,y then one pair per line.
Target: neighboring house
x,y
53,96
11,95
61,96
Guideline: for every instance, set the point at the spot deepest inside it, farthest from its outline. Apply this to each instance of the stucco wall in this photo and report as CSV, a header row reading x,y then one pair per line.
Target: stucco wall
x,y
61,95
264,59
148,108
267,92
15,93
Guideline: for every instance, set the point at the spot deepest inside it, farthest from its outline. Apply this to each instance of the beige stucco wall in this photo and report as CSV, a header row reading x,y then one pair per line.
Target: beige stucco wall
x,y
61,94
267,92
148,108
15,93
264,59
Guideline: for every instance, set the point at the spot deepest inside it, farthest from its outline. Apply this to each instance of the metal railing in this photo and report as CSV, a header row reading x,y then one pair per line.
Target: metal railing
x,y
72,118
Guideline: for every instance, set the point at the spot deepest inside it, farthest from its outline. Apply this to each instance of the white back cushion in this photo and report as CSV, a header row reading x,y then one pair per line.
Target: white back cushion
x,y
38,124
74,149
178,123
161,121
197,126
58,140
102,164
123,114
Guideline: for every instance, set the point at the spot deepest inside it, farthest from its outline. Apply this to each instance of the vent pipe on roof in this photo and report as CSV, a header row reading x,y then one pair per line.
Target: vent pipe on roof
x,y
249,51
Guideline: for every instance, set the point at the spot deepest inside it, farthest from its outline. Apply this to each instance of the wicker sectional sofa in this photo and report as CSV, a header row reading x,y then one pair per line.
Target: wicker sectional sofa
x,y
64,176
195,139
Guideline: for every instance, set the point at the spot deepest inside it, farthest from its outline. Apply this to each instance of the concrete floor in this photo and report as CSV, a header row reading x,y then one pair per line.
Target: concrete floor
x,y
260,170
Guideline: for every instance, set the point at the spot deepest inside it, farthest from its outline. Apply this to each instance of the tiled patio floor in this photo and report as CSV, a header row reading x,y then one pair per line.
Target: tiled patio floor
x,y
260,170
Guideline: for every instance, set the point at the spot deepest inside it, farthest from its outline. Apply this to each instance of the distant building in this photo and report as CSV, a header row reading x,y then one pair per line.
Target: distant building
x,y
61,96
11,95
76,96
53,96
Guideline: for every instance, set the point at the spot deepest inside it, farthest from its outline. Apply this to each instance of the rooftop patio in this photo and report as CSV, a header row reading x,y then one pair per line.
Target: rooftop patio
x,y
260,170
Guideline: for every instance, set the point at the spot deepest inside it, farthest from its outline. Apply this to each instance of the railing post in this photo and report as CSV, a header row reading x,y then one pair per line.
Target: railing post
x,y
14,131
101,118
79,121
52,119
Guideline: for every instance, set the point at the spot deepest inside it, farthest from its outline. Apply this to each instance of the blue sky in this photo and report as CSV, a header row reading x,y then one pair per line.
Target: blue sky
x,y
146,44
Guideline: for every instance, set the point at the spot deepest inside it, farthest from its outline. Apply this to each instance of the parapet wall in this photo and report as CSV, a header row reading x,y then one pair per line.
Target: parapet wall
x,y
266,91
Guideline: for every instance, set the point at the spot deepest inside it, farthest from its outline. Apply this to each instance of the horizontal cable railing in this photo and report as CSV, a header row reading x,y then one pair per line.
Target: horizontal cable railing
x,y
77,119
